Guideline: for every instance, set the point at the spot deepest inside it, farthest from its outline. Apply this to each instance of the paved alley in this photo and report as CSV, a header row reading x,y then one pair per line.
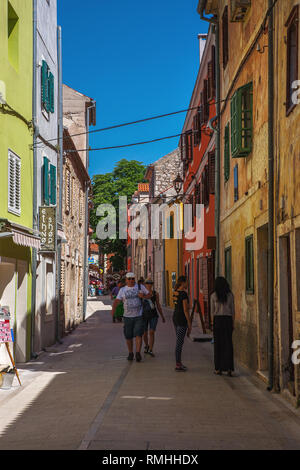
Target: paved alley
x,y
83,394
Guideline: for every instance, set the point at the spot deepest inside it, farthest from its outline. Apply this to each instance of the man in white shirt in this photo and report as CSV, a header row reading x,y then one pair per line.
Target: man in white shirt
x,y
131,295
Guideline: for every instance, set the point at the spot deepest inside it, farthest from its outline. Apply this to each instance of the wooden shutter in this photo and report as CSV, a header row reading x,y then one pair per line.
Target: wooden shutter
x,y
45,89
206,186
197,129
226,153
68,191
242,121
53,185
225,37
51,93
46,181
211,172
14,183
228,266
234,124
214,74
205,101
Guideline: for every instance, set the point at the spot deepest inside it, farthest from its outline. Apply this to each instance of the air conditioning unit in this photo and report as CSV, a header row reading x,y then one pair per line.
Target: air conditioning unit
x,y
239,10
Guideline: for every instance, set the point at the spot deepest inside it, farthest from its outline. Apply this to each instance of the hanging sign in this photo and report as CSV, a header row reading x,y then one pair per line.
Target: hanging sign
x,y
47,226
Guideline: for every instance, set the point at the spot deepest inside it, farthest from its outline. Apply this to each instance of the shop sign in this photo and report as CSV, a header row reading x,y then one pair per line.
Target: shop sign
x,y
47,227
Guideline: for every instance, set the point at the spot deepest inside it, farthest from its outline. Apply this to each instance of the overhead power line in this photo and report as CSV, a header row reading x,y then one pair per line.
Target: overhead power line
x,y
116,126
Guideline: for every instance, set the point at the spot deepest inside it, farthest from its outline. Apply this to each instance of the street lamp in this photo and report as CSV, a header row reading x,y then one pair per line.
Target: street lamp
x,y
177,183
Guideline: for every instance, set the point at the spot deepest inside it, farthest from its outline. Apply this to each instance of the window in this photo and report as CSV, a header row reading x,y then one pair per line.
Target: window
x,y
13,36
211,172
47,88
49,183
249,265
14,183
228,266
225,37
292,57
236,183
68,191
241,121
171,226
49,284
226,154
197,129
212,74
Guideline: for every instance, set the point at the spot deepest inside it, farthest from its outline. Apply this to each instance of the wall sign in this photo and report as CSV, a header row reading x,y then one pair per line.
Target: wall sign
x,y
47,226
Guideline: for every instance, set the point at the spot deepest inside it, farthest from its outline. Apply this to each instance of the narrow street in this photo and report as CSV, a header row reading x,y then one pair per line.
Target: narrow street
x,y
83,394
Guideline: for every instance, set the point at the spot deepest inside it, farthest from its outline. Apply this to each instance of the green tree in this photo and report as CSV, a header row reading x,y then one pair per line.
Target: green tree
x,y
107,188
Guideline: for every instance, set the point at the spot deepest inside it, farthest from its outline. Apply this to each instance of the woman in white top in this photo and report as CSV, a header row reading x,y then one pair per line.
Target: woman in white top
x,y
223,313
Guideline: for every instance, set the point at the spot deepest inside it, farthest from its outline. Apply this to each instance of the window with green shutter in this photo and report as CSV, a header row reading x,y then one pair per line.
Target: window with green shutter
x,y
242,121
249,265
226,154
47,88
228,266
46,181
53,185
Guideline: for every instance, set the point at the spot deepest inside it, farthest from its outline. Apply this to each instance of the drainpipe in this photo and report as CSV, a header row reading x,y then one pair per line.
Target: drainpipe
x,y
35,134
60,197
271,194
214,21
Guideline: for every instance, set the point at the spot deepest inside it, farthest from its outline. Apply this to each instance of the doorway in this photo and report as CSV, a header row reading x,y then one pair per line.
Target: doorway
x,y
286,314
262,290
21,312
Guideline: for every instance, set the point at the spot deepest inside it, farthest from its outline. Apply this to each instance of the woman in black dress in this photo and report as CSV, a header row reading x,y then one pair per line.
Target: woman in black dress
x,y
181,319
223,312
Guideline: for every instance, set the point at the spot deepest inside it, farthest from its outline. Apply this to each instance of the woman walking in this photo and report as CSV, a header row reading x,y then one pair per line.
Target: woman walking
x,y
151,318
181,319
222,311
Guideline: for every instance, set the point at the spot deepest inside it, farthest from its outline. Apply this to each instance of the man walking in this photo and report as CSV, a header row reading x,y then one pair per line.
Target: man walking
x,y
131,295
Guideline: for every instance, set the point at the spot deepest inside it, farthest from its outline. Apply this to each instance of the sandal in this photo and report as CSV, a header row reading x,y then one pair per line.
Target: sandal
x,y
218,372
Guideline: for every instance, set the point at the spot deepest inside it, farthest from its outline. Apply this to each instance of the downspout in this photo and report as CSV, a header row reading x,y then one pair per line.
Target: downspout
x,y
214,21
271,194
60,146
35,222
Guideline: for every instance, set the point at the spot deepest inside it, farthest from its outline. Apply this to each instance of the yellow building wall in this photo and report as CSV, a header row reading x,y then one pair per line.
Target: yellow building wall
x,y
244,217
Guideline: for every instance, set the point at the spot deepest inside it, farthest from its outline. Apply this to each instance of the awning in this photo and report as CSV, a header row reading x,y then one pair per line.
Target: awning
x,y
27,240
61,236
22,236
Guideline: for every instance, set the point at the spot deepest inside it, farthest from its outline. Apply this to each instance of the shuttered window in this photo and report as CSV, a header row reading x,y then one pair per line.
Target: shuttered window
x,y
211,71
292,57
47,88
242,121
228,266
49,183
226,153
205,101
197,129
225,37
14,183
68,191
249,265
211,172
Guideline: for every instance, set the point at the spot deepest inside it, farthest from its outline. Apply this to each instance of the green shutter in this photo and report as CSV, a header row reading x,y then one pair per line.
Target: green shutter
x,y
226,154
53,185
45,92
51,93
242,121
46,181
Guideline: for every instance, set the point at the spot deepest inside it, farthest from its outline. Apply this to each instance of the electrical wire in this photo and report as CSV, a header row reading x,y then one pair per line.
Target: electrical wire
x,y
116,126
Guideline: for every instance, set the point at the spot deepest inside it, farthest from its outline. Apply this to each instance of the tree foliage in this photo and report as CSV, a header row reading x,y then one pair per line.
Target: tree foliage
x,y
107,188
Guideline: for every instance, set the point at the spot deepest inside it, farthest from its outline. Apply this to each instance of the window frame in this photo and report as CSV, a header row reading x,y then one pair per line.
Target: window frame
x,y
249,265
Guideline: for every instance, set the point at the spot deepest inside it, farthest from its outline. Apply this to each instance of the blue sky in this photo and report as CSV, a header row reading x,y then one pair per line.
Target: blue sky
x,y
136,59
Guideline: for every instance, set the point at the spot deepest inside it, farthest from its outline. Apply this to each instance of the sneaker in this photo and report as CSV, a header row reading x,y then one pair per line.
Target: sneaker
x,y
181,368
130,357
151,353
146,350
138,357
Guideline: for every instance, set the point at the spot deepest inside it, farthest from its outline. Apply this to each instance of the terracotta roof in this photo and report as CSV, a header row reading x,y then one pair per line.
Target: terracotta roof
x,y
143,187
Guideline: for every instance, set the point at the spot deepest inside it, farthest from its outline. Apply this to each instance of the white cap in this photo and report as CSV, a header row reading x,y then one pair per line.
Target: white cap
x,y
130,275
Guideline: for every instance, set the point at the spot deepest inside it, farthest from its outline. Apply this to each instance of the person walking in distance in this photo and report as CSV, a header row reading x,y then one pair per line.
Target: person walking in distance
x,y
131,295
181,319
151,317
223,313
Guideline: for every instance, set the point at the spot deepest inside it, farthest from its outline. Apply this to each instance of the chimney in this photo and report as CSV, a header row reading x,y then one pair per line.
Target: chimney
x,y
202,41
